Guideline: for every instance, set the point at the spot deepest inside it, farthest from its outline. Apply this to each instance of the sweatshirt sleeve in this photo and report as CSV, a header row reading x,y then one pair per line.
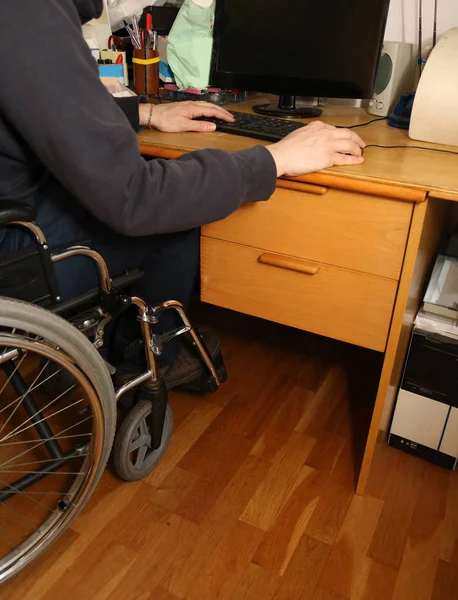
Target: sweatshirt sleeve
x,y
129,107
53,98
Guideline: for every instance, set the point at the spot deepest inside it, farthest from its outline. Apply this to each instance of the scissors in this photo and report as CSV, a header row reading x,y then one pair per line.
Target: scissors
x,y
115,43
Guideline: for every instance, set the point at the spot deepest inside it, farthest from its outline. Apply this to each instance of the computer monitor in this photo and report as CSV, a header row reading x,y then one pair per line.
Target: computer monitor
x,y
313,48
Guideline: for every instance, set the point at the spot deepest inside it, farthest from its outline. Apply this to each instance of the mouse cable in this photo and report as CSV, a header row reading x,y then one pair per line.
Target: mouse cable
x,y
411,148
362,124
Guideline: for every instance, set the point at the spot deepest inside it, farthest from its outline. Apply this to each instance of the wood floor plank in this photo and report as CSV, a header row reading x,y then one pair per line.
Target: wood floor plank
x,y
103,577
450,540
240,422
109,499
204,493
419,563
256,583
322,594
183,404
219,522
62,583
279,544
169,548
400,494
342,571
218,579
141,515
188,434
161,594
315,364
335,497
304,570
326,451
324,402
283,423
374,581
263,508
173,488
445,582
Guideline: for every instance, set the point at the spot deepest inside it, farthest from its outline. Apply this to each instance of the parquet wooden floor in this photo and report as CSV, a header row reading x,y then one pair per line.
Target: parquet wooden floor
x,y
254,499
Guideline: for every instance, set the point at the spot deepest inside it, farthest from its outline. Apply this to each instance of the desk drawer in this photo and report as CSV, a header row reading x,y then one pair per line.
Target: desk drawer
x,y
330,301
354,231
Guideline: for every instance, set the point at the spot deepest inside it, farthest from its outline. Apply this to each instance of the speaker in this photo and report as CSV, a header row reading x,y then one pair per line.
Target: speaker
x,y
395,77
434,113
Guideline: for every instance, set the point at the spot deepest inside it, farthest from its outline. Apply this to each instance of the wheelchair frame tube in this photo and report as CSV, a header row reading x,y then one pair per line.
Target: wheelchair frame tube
x,y
174,304
144,319
105,280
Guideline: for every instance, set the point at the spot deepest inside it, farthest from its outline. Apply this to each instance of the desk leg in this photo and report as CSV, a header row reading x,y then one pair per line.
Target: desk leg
x,y
429,224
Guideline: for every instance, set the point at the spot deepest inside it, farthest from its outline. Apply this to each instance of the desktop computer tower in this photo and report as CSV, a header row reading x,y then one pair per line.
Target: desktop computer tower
x,y
425,418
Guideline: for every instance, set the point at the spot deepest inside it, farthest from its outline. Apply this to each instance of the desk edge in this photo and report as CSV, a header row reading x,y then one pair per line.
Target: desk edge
x,y
393,190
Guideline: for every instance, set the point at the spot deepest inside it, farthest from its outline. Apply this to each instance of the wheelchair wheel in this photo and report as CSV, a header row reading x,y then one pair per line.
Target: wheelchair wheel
x,y
53,448
132,454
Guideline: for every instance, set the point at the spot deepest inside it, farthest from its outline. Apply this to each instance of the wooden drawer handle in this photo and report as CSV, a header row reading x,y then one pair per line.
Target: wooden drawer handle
x,y
318,190
290,263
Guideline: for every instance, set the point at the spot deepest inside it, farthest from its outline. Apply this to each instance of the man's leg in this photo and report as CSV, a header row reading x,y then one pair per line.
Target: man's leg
x,y
170,264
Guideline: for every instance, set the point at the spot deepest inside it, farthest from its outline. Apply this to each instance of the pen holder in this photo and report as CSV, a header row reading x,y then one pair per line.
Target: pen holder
x,y
146,72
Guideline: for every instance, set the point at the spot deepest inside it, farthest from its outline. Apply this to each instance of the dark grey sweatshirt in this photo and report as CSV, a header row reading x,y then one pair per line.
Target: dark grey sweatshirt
x,y
60,129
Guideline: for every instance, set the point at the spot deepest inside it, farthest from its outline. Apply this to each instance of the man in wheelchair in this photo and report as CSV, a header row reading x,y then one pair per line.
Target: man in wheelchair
x,y
94,233
67,149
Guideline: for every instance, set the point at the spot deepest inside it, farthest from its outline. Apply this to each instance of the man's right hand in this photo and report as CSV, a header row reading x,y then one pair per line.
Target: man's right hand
x,y
314,147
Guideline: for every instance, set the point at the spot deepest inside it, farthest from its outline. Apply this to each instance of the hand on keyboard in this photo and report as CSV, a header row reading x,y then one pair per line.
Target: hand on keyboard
x,y
314,147
183,116
255,126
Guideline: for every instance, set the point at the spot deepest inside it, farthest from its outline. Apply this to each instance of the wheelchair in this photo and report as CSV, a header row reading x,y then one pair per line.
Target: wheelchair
x,y
58,403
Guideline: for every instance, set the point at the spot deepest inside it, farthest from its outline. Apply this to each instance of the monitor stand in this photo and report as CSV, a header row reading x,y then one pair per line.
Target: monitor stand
x,y
287,108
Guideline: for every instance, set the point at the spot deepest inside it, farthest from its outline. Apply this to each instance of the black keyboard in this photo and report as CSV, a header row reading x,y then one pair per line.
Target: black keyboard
x,y
255,126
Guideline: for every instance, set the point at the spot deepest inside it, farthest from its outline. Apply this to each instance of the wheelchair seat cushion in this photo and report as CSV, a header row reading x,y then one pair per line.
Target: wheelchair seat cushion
x,y
13,210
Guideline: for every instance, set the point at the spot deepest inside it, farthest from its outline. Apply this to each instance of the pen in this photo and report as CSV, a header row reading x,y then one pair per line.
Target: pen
x,y
149,29
136,29
133,37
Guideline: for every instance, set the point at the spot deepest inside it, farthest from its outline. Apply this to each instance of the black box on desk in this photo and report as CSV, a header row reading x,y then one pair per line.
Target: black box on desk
x,y
425,418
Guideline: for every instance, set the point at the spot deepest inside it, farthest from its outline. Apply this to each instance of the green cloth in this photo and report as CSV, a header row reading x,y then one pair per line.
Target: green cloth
x,y
189,45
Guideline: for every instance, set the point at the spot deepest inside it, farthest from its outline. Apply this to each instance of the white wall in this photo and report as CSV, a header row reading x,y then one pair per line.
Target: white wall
x,y
402,23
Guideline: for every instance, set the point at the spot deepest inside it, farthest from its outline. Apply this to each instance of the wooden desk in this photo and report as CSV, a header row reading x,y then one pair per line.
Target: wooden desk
x,y
343,253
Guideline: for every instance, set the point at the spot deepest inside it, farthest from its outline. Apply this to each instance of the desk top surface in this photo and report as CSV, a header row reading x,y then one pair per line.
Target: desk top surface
x,y
430,171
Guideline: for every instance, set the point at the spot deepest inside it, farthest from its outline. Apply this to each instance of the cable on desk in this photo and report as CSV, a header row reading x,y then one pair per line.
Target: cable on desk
x,y
362,124
411,148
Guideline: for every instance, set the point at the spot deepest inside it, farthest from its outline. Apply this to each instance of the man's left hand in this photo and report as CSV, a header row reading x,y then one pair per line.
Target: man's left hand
x,y
178,117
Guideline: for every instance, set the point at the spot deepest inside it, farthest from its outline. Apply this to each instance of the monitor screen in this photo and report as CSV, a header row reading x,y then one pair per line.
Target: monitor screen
x,y
327,48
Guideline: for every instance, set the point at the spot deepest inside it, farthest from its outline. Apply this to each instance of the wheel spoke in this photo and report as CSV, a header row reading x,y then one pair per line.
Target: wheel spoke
x,y
43,472
37,462
140,456
56,437
5,535
15,370
17,431
40,443
32,388
26,495
14,512
142,440
37,413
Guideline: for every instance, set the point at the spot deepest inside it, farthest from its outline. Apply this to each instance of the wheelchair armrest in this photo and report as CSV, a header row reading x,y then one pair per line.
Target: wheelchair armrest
x,y
13,210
